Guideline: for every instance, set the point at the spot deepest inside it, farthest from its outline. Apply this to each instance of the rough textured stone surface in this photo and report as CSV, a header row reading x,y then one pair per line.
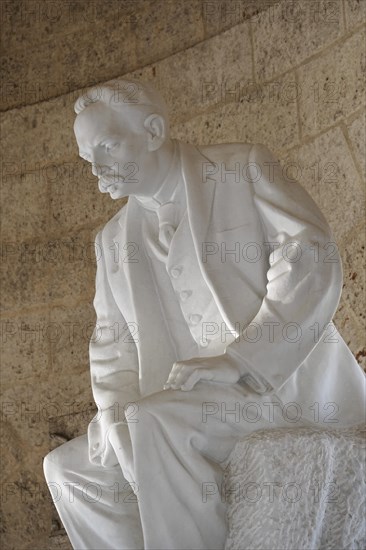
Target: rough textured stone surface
x,y
263,114
192,83
350,317
351,332
25,203
66,44
59,542
38,22
59,268
70,331
67,47
159,32
26,509
333,86
40,143
30,404
64,428
287,34
357,133
352,250
192,71
25,346
26,513
326,169
219,16
72,184
355,12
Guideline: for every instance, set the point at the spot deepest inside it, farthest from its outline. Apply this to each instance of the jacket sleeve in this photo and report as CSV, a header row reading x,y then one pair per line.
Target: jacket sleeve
x,y
304,278
113,366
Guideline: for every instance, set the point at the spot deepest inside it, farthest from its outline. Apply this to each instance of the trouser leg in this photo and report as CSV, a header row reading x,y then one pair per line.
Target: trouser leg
x,y
96,505
178,442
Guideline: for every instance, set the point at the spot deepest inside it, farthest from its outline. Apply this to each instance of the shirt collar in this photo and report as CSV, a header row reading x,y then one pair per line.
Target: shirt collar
x,y
167,189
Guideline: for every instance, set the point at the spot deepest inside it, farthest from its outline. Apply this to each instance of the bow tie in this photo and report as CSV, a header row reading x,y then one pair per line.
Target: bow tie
x,y
168,223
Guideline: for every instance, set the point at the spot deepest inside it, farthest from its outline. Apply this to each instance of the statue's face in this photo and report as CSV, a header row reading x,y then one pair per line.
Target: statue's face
x,y
116,148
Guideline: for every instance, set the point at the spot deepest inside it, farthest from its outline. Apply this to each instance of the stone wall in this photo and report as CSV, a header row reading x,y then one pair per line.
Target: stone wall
x,y
287,74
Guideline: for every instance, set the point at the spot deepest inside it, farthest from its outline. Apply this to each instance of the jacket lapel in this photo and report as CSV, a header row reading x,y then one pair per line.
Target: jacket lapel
x,y
200,194
223,214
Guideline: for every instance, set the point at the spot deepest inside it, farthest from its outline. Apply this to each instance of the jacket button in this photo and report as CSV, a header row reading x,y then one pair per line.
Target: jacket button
x,y
194,318
96,446
204,342
176,271
185,294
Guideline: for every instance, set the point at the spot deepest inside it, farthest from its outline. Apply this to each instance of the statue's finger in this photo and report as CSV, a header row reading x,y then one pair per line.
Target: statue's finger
x,y
192,380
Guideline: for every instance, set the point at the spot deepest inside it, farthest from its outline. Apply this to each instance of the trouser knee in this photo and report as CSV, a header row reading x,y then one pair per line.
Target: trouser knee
x,y
66,459
53,465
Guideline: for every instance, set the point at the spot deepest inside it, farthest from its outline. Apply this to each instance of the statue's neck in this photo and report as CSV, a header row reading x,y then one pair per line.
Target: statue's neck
x,y
167,188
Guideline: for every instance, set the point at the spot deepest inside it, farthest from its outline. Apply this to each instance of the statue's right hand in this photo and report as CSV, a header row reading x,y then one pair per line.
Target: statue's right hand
x,y
100,450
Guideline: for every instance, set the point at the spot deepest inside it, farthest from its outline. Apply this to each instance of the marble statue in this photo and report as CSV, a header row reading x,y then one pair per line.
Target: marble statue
x,y
216,286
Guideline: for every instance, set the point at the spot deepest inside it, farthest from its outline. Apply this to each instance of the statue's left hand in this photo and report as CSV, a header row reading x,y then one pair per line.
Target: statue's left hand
x,y
185,374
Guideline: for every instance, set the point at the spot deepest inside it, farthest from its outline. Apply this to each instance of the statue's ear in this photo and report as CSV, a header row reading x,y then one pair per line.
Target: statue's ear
x,y
156,128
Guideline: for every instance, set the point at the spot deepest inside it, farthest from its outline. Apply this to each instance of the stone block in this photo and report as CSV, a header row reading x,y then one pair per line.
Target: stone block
x,y
326,169
25,204
218,16
38,272
159,33
46,131
357,134
352,332
69,394
333,85
93,58
211,72
25,347
59,542
26,515
352,250
70,330
73,184
261,114
26,505
28,20
10,448
355,12
290,32
29,405
65,428
73,56
350,316
67,49
25,280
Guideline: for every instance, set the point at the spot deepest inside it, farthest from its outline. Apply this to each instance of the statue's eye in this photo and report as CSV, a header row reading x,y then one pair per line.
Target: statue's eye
x,y
111,146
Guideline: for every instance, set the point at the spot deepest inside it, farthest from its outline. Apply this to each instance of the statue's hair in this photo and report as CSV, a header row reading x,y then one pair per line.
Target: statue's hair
x,y
121,94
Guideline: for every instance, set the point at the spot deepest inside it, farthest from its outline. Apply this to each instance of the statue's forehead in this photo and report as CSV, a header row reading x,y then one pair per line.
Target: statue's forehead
x,y
96,118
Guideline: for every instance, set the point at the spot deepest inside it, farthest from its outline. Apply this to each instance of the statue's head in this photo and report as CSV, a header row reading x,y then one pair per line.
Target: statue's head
x,y
122,129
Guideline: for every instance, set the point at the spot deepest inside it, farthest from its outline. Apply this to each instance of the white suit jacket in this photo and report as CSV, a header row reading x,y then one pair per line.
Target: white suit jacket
x,y
286,292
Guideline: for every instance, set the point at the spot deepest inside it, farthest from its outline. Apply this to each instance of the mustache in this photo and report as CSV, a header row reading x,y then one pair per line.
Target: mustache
x,y
109,183
108,186
110,179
